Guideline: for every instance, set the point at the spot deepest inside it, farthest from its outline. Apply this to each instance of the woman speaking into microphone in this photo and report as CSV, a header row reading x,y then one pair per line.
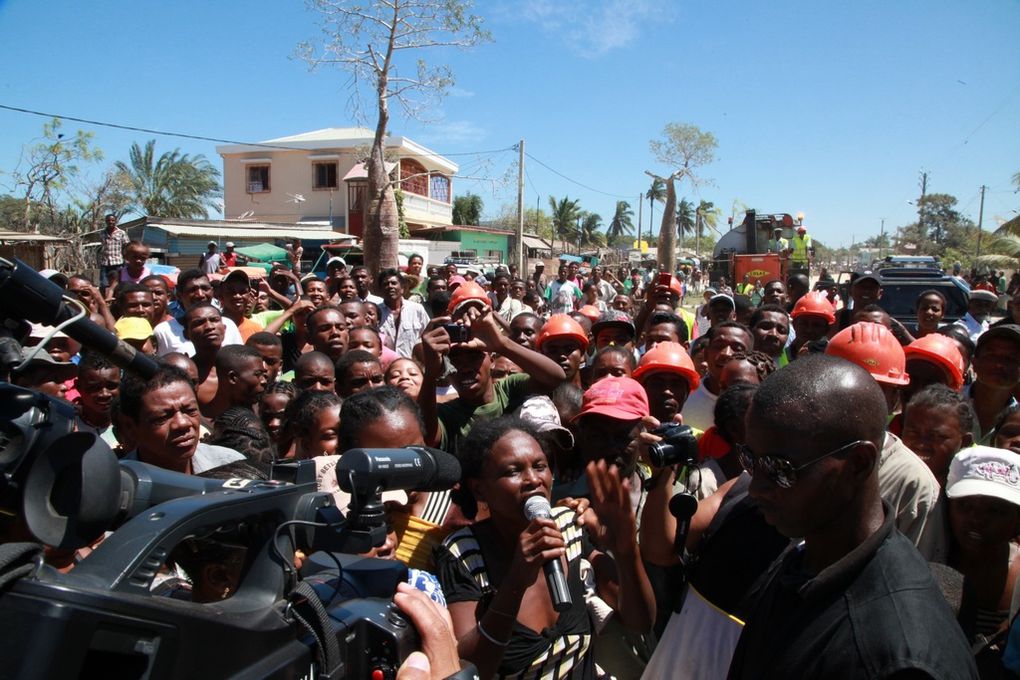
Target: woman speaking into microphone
x,y
505,618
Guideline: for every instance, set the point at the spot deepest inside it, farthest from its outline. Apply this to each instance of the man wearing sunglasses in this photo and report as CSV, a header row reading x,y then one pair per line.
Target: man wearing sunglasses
x,y
853,598
904,481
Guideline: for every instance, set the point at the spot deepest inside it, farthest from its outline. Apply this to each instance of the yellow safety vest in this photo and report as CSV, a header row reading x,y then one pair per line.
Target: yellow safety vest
x,y
800,248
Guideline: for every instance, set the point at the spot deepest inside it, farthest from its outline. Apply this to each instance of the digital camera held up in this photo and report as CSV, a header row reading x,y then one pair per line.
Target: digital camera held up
x,y
678,446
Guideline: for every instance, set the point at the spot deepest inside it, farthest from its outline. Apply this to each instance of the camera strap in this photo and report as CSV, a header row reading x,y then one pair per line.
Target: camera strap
x,y
305,598
17,560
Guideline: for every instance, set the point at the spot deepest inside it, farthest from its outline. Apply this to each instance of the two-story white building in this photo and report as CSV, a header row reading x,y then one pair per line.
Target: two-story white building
x,y
316,178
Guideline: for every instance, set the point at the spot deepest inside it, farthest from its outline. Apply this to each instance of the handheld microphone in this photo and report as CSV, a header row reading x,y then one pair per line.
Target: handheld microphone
x,y
538,506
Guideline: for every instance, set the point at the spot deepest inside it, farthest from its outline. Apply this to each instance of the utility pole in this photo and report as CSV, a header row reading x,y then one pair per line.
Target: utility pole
x,y
920,205
519,255
640,210
981,217
881,241
697,233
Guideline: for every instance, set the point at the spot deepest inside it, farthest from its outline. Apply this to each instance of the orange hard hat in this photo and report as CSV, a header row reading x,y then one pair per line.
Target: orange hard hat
x,y
874,348
816,303
591,311
469,291
941,351
674,286
671,357
562,326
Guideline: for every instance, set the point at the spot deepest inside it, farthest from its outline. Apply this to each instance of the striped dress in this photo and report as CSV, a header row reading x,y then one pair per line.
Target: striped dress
x,y
560,651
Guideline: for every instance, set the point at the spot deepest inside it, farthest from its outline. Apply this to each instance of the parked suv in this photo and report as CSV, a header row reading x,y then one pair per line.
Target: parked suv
x,y
900,288
903,281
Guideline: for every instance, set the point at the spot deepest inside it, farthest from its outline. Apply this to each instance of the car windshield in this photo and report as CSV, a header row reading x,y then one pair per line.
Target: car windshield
x,y
899,298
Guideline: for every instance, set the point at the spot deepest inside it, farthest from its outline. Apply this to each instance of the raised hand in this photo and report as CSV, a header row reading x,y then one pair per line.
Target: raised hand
x,y
610,499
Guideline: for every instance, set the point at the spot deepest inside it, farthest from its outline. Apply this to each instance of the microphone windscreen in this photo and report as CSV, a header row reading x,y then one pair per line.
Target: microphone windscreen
x,y
446,472
537,506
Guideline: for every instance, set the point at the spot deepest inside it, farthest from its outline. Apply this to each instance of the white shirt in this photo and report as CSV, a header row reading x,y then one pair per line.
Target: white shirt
x,y
170,337
974,329
374,299
699,410
412,320
206,457
210,262
606,290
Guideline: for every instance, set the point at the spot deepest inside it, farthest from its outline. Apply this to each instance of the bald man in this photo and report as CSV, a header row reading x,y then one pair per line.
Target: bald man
x,y
854,598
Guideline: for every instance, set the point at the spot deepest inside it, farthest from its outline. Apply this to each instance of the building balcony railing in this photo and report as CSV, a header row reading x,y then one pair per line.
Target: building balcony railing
x,y
422,206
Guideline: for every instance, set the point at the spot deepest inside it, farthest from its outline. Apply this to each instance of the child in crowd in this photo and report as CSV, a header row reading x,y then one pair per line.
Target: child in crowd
x,y
313,422
98,384
983,487
272,408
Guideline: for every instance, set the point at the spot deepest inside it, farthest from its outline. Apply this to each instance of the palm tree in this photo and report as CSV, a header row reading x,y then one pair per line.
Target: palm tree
x,y
173,185
685,218
706,215
622,222
565,216
656,192
1002,251
590,232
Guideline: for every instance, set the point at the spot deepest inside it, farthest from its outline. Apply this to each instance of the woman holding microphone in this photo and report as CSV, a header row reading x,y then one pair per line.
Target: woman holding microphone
x,y
505,619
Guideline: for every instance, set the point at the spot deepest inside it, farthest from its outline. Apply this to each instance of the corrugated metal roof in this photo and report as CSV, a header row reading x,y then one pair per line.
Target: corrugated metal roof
x,y
217,232
20,236
536,242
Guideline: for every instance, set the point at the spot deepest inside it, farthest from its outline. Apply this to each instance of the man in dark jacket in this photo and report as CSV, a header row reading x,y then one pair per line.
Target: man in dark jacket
x,y
854,598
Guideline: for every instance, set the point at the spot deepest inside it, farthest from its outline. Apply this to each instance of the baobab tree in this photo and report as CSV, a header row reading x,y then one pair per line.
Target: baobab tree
x,y
684,149
380,44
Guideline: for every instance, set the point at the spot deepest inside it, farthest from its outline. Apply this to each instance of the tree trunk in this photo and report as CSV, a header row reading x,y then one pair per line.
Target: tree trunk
x,y
667,232
382,226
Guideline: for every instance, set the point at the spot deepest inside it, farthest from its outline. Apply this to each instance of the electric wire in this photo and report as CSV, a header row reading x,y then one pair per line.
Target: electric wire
x,y
202,138
573,181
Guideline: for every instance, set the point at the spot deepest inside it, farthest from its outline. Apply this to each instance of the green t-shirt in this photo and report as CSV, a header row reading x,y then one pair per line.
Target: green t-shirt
x,y
267,317
456,417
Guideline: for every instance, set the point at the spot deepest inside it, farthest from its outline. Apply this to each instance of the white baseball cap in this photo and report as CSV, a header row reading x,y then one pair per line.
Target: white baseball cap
x,y
985,471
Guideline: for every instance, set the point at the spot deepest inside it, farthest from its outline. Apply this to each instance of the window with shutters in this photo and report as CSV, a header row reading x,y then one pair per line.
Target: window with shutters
x,y
324,175
258,179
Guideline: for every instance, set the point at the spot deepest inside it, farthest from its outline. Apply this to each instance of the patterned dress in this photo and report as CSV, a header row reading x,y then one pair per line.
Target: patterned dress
x,y
560,651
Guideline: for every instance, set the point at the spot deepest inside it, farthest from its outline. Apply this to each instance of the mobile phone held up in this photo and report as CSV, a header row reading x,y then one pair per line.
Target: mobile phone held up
x,y
457,332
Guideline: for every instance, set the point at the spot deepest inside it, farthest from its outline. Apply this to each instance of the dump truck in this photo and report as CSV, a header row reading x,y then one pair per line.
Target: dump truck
x,y
744,249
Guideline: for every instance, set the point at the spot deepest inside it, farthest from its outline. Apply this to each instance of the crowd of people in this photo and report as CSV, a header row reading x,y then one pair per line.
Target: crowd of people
x,y
857,479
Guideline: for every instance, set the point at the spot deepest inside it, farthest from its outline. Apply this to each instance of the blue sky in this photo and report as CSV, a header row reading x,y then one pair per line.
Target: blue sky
x,y
828,108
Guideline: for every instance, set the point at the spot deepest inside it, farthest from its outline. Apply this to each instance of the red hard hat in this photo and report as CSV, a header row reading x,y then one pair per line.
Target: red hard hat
x,y
941,351
591,311
675,287
874,348
562,326
469,291
671,357
816,303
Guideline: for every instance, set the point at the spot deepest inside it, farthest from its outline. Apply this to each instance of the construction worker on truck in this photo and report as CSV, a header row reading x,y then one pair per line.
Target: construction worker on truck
x,y
778,244
803,250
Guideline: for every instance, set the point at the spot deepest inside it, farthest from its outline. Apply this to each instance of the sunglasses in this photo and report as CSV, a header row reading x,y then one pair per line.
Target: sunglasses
x,y
356,383
779,470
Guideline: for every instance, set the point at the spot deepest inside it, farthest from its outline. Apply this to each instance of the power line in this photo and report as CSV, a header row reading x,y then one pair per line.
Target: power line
x,y
201,138
572,181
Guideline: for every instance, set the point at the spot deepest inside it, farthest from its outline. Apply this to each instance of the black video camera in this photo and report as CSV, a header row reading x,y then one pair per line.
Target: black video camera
x,y
107,616
678,446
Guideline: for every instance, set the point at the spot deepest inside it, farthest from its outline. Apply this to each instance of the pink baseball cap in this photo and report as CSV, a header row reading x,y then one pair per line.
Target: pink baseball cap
x,y
621,398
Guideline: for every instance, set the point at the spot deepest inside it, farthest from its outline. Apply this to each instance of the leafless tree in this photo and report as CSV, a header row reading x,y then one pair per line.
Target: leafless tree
x,y
379,43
